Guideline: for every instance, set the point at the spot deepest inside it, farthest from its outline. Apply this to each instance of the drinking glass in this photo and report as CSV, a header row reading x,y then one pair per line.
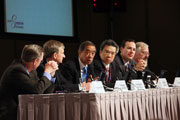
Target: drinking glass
x,y
82,85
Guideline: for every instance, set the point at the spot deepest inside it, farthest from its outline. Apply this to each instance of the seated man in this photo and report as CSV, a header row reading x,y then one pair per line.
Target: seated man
x,y
128,67
54,51
73,69
104,65
21,78
142,53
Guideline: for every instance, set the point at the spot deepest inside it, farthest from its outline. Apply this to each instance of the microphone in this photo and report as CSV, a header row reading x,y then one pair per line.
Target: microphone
x,y
130,71
130,83
102,76
151,73
130,68
108,88
128,77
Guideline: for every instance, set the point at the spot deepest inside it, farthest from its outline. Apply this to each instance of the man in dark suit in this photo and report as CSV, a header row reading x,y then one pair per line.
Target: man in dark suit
x,y
124,60
142,53
73,69
21,78
104,65
54,51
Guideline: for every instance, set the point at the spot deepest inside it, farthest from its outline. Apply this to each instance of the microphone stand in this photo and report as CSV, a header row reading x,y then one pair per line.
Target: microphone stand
x,y
130,83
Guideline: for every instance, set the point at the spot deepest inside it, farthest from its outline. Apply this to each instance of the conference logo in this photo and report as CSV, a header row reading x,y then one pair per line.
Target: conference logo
x,y
15,23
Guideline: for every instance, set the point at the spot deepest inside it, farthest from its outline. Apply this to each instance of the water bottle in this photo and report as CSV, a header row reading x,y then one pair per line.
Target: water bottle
x,y
148,81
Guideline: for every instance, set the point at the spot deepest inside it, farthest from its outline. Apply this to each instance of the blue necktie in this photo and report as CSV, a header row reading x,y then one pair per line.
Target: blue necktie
x,y
84,75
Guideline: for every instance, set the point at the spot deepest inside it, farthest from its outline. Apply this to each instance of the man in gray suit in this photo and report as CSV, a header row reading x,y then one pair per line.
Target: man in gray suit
x,y
21,78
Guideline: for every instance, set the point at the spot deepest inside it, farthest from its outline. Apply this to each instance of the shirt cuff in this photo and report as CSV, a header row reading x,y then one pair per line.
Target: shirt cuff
x,y
49,77
53,80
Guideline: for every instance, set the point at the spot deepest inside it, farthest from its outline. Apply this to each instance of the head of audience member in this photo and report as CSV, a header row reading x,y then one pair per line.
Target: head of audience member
x,y
142,52
86,52
31,56
54,50
127,49
108,50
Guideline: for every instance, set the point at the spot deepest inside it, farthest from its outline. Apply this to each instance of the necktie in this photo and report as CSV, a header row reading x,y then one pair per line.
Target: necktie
x,y
107,73
84,74
126,68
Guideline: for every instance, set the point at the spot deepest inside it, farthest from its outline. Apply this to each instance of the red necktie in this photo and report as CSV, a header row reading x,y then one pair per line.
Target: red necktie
x,y
107,73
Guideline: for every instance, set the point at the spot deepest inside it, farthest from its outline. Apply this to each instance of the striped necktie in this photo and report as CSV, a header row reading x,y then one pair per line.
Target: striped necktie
x,y
84,74
107,74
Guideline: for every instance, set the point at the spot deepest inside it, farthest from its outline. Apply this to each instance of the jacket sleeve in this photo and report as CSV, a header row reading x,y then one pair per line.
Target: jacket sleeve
x,y
30,84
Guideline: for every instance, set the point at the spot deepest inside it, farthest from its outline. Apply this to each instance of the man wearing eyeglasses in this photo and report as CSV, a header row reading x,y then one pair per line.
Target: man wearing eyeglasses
x,y
104,65
142,54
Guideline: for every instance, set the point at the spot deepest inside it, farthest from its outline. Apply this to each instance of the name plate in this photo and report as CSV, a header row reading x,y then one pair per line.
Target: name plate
x,y
177,81
96,87
137,85
162,83
120,86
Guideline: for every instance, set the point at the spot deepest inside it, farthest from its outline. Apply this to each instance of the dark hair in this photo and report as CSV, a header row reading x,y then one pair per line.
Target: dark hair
x,y
52,46
31,52
84,44
109,42
127,40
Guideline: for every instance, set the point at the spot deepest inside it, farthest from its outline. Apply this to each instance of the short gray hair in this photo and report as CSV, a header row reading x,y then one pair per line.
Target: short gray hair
x,y
141,45
31,52
51,47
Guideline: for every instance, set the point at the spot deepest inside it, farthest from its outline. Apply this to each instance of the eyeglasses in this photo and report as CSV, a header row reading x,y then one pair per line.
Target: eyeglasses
x,y
106,52
145,53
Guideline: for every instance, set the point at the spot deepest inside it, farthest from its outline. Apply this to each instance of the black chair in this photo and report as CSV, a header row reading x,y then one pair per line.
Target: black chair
x,y
178,73
163,73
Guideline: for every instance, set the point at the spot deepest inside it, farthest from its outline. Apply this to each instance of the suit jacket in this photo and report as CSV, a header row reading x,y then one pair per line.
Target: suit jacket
x,y
15,81
114,73
132,74
71,71
127,75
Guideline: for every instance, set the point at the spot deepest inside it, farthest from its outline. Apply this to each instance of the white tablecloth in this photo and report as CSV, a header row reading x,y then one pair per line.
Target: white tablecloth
x,y
161,104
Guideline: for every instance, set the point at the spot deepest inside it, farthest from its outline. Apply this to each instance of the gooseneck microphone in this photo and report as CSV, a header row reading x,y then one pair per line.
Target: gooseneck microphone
x,y
151,73
102,77
131,71
130,83
131,68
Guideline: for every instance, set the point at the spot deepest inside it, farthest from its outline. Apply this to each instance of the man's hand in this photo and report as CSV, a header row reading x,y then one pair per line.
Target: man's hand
x,y
88,85
51,67
141,65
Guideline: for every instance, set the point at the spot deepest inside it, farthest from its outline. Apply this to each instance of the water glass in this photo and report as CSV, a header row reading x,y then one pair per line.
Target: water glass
x,y
82,85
